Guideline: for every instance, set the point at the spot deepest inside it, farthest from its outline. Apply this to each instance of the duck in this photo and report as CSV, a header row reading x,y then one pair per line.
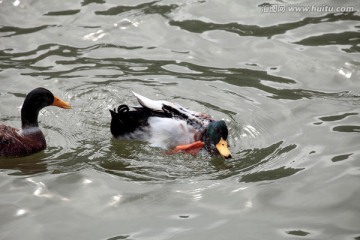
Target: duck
x,y
29,139
170,126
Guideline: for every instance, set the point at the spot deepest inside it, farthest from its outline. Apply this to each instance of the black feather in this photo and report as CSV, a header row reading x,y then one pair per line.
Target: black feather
x,y
124,121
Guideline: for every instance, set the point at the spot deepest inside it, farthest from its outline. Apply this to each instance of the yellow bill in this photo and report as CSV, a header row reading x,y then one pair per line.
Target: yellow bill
x,y
223,149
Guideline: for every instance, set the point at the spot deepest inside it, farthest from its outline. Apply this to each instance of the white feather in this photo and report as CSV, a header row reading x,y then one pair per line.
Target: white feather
x,y
29,131
157,105
164,133
169,133
152,104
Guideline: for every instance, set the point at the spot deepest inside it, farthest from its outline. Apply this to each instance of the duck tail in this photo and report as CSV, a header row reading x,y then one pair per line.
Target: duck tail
x,y
118,127
124,121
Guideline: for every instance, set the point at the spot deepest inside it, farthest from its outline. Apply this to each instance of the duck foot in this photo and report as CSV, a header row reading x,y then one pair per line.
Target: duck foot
x,y
192,148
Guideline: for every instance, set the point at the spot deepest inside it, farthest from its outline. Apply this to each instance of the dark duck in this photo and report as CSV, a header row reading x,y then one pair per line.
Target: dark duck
x,y
29,139
171,126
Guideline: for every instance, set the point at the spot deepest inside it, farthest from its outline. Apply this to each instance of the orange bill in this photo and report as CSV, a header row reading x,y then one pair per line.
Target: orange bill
x,y
60,103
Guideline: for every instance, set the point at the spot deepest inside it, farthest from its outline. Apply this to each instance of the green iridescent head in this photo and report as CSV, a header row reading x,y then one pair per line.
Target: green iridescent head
x,y
215,138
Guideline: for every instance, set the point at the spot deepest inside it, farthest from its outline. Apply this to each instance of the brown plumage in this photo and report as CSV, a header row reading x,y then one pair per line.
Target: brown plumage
x,y
29,139
15,144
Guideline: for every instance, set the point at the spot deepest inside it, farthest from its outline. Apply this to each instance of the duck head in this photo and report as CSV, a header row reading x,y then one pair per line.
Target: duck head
x,y
215,138
34,102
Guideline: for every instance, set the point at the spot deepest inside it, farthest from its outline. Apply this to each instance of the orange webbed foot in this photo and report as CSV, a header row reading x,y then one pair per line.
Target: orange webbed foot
x,y
192,148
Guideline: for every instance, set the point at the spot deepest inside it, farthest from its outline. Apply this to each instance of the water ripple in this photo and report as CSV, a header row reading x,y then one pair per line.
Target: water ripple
x,y
11,31
350,38
63,13
198,26
144,8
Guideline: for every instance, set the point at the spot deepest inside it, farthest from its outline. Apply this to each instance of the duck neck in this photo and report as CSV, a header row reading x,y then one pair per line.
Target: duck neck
x,y
29,116
205,138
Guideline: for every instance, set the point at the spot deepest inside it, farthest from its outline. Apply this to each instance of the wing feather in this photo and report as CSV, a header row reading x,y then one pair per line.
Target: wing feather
x,y
198,120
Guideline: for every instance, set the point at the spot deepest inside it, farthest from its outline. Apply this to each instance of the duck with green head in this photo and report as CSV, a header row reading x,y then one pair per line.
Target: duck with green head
x,y
170,126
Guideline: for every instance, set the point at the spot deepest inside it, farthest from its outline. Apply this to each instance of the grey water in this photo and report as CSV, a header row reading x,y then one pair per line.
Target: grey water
x,y
287,82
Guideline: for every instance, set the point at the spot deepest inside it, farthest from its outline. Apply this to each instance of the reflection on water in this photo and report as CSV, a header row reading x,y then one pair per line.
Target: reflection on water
x,y
26,165
287,85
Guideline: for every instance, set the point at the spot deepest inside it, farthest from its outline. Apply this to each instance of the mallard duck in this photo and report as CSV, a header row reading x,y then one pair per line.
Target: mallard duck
x,y
168,125
29,139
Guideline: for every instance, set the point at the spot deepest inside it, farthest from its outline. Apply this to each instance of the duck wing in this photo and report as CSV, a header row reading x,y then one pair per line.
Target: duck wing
x,y
196,119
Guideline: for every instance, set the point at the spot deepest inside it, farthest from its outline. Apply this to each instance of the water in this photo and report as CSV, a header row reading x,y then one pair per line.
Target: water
x,y
286,83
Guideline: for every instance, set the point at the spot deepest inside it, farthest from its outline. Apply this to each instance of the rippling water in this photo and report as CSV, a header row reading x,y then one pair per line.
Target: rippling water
x,y
286,83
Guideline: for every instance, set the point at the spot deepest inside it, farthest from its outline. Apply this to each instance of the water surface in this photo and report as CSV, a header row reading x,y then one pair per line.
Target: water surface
x,y
286,83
